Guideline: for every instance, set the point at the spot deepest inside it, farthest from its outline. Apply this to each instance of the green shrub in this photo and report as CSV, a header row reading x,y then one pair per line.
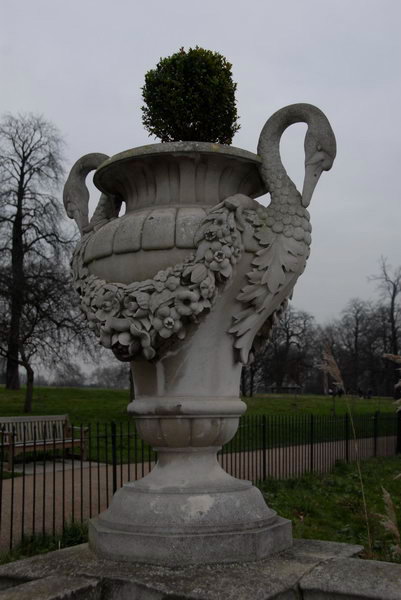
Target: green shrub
x,y
190,96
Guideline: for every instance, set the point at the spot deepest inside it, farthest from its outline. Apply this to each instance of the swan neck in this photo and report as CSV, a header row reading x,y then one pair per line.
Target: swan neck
x,y
273,170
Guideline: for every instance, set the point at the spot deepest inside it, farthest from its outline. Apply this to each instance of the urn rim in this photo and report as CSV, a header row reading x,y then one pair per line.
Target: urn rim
x,y
104,171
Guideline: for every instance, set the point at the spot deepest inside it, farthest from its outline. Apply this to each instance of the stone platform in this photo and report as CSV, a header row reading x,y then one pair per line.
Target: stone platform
x,y
310,570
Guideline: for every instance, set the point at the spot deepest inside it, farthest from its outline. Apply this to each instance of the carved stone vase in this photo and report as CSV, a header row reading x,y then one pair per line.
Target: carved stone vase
x,y
180,285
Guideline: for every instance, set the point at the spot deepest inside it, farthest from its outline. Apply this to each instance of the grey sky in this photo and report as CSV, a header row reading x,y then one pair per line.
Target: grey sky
x,y
81,63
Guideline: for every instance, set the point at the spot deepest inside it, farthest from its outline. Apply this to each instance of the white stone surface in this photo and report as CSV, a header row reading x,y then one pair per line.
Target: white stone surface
x,y
186,280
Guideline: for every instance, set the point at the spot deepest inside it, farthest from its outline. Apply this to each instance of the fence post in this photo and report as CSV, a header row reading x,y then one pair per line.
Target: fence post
x,y
311,442
114,454
264,445
375,431
346,427
398,446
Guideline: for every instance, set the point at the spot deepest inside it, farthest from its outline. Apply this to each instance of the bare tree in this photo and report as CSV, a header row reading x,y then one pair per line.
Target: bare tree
x,y
68,374
30,215
358,339
51,328
353,328
289,353
114,376
389,285
40,318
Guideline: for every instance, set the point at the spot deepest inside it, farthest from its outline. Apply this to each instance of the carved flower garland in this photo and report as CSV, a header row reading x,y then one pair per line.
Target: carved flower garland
x,y
137,319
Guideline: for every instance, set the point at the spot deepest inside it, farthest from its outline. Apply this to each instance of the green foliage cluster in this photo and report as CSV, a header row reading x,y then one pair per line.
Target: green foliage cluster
x,y
190,96
330,506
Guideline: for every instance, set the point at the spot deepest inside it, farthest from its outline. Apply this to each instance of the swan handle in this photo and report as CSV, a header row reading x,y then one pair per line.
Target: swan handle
x,y
76,195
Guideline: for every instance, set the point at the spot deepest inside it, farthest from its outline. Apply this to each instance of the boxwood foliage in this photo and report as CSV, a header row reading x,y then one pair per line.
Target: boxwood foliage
x,y
190,96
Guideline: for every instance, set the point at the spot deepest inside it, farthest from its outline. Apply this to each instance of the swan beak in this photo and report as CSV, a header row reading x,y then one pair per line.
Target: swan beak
x,y
312,174
314,167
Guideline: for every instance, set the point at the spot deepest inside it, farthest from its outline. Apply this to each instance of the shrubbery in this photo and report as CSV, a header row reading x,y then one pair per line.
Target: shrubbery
x,y
190,96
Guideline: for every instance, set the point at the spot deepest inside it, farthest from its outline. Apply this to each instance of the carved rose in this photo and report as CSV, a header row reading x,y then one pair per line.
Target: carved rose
x,y
160,281
167,321
130,305
172,283
108,303
187,303
218,258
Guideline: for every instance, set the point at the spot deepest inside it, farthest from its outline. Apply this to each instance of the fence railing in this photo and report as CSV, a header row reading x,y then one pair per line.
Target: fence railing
x,y
46,483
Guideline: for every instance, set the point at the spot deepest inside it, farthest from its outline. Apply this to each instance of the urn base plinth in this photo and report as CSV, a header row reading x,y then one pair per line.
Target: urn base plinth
x,y
174,529
188,509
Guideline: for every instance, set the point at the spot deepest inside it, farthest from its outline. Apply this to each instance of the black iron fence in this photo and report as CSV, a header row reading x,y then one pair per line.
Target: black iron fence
x,y
60,476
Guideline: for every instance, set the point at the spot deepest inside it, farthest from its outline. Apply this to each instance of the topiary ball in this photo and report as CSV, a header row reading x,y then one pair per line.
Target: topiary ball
x,y
190,96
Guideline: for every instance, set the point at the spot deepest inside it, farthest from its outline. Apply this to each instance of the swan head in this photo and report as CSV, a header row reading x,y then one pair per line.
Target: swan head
x,y
320,152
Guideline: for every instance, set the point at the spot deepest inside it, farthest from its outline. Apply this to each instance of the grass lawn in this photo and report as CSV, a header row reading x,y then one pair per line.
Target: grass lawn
x,y
330,507
290,404
85,405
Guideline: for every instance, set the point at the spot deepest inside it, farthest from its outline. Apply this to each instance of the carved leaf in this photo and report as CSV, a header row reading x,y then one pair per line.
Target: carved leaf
x,y
203,247
146,323
251,292
124,338
160,298
199,273
278,259
198,237
275,271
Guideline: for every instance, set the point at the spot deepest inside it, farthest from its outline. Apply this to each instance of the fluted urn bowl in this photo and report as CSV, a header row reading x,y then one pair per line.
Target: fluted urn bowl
x,y
167,190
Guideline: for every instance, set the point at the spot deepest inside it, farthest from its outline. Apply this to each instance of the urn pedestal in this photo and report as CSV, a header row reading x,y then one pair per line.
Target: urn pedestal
x,y
181,284
188,509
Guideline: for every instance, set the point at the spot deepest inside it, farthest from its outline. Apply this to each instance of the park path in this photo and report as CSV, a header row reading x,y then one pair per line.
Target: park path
x,y
49,495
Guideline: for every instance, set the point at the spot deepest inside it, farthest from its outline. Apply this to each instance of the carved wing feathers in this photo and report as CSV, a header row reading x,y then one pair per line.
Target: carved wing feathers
x,y
248,326
276,269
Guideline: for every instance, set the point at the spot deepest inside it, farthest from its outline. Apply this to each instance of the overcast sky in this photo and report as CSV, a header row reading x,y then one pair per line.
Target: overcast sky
x,y
81,63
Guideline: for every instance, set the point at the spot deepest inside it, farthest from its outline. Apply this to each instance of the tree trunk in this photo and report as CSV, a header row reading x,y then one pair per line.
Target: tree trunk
x,y
325,383
251,379
242,383
131,383
29,388
12,373
17,291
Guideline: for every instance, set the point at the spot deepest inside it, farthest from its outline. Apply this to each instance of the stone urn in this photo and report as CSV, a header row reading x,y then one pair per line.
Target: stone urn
x,y
181,285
